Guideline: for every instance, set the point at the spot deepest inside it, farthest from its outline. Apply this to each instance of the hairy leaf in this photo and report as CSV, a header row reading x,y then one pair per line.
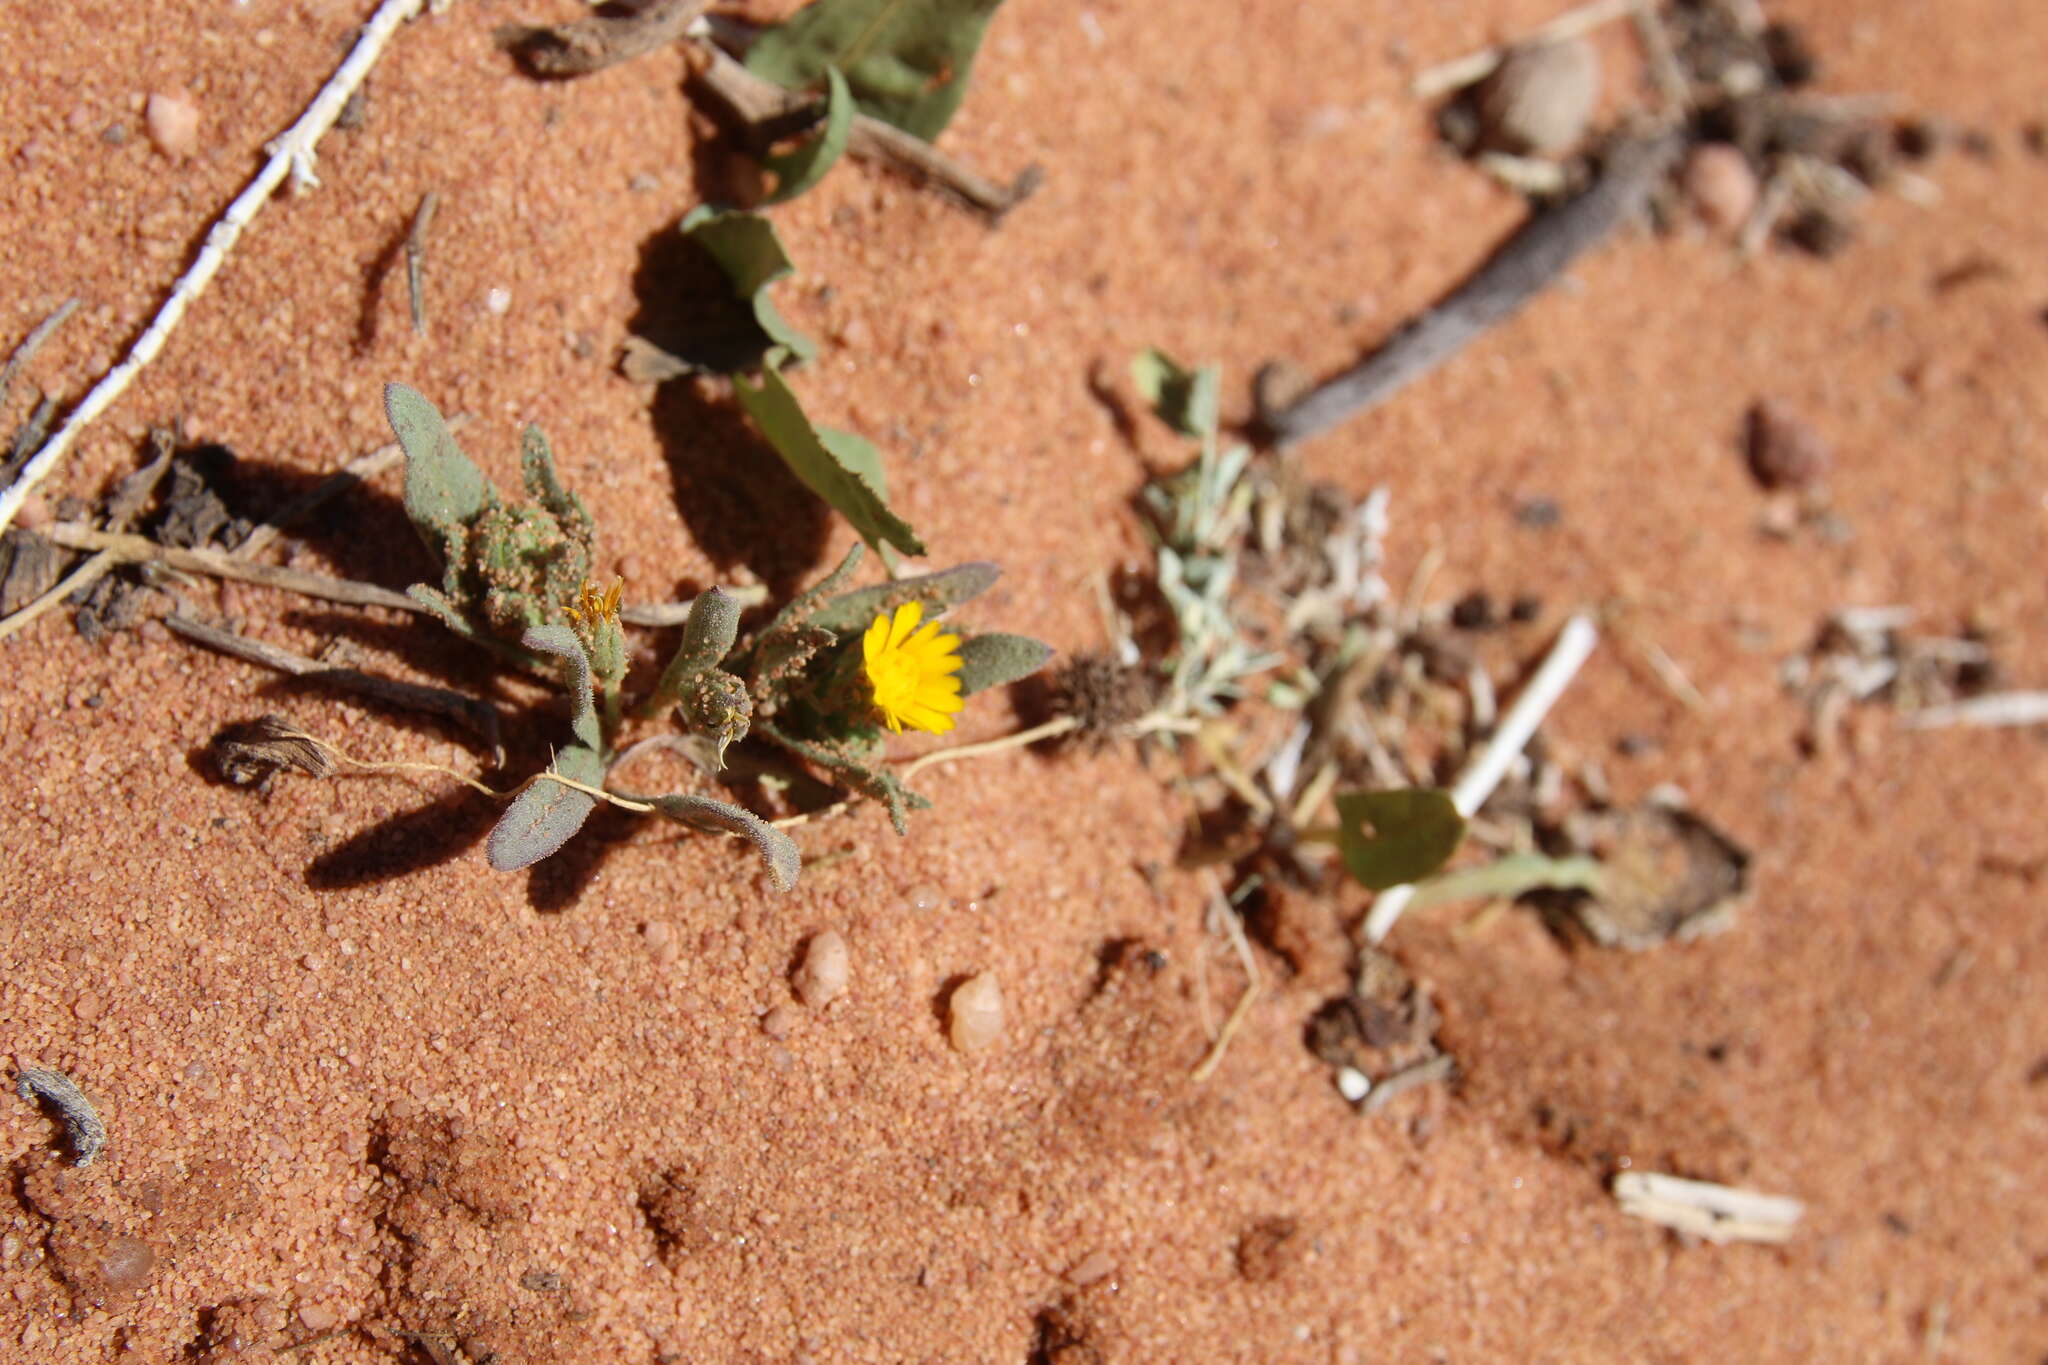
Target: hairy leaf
x,y
543,817
838,466
803,168
537,467
777,849
1388,838
562,642
746,248
850,613
708,635
1185,399
991,660
907,61
443,489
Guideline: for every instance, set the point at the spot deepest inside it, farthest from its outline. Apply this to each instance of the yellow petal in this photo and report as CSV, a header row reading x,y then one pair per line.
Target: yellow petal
x,y
907,617
876,640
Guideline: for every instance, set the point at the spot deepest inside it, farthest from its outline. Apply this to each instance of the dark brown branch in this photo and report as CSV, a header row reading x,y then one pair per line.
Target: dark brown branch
x,y
1529,261
477,716
577,49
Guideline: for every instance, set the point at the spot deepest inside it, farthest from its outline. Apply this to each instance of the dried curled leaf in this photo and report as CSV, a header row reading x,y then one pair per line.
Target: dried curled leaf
x,y
907,61
803,168
849,613
838,466
544,816
258,750
1389,838
746,248
994,659
778,851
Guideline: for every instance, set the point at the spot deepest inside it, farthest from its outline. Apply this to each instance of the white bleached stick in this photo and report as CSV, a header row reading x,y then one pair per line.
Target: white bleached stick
x,y
1486,768
1718,1213
1993,708
291,154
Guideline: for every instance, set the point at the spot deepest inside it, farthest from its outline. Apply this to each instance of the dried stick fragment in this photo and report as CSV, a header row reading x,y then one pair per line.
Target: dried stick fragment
x,y
1992,709
291,154
32,343
134,491
474,714
1717,1213
761,103
1485,769
82,1125
586,45
416,260
1426,1072
221,564
1530,260
1474,67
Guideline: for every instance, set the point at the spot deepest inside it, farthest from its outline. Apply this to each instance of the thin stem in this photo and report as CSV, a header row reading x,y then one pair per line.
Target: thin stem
x,y
291,154
1058,725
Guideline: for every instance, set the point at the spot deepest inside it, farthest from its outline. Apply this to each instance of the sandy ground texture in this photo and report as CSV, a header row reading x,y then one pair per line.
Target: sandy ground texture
x,y
357,1086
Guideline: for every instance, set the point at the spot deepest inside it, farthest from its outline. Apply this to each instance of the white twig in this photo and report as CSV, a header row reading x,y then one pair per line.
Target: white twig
x,y
1484,772
1718,1213
291,154
1992,709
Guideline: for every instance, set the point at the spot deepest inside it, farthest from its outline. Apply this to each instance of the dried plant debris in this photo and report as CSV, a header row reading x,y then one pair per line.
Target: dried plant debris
x,y
1867,656
255,752
1381,1035
906,62
1665,875
83,1127
1710,1212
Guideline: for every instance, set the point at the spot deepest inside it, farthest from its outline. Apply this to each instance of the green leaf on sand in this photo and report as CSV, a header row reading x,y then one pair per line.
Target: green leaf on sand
x,y
1388,838
1185,399
906,61
746,248
544,816
799,170
838,466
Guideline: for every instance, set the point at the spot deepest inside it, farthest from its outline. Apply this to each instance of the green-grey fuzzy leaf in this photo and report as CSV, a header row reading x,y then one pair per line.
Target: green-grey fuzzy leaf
x,y
877,783
838,466
1185,399
561,642
804,605
850,613
746,248
1388,838
708,635
442,487
778,851
907,61
803,168
544,816
537,467
991,660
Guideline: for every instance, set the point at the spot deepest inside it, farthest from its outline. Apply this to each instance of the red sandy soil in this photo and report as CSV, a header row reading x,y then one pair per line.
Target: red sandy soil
x,y
354,1080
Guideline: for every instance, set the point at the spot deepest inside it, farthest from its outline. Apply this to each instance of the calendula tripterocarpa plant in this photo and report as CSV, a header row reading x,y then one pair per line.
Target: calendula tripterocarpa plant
x,y
831,674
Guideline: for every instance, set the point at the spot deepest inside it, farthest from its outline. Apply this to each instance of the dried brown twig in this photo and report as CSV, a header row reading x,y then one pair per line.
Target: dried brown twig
x,y
558,51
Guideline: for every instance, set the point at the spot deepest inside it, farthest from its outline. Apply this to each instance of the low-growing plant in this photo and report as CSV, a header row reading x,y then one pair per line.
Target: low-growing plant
x,y
824,680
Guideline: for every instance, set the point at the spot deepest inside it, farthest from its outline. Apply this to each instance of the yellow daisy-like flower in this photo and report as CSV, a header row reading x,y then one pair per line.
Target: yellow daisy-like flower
x,y
914,673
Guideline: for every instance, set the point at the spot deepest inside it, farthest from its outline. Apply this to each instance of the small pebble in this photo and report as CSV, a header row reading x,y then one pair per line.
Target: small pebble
x,y
1353,1084
314,1318
1094,1267
173,121
1540,98
778,1022
976,1013
499,301
1784,452
126,1263
1720,185
822,977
